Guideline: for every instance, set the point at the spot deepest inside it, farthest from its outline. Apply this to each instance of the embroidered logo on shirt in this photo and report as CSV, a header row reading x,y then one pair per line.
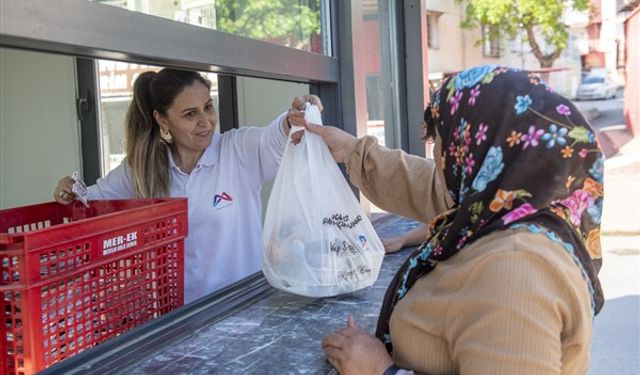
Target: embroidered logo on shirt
x,y
222,200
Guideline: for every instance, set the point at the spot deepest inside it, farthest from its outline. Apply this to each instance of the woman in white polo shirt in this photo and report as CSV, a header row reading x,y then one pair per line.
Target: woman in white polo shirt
x,y
172,151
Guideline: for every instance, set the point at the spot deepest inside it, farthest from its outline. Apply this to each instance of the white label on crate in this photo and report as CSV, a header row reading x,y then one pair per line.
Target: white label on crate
x,y
119,243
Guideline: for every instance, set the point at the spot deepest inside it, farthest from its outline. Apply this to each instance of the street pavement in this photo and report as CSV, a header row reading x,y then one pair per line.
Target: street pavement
x,y
616,337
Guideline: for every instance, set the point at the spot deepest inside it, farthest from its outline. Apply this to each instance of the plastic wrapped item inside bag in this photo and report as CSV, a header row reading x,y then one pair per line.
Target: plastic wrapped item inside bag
x,y
318,242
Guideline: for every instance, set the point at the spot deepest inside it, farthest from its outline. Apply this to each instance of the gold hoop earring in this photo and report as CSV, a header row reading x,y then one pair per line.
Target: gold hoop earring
x,y
165,135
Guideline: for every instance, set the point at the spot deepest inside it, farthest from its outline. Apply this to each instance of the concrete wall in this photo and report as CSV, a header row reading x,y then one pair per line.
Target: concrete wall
x,y
39,140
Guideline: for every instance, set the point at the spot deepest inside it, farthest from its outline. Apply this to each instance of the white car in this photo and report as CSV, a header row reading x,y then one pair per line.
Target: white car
x,y
596,87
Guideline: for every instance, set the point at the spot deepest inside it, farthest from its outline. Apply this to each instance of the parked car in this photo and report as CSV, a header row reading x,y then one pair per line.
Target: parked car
x,y
596,87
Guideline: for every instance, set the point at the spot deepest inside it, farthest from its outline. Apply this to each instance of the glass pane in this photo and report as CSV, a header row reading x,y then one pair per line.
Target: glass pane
x,y
381,86
300,24
257,109
116,87
39,139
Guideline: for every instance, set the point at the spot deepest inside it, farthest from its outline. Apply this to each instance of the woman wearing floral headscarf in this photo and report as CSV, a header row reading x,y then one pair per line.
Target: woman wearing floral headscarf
x,y
507,280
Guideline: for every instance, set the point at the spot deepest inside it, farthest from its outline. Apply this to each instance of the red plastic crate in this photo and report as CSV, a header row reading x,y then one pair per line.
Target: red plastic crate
x,y
73,276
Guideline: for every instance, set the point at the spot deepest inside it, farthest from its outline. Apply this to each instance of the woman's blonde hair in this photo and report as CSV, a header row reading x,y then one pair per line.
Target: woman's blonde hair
x,y
147,151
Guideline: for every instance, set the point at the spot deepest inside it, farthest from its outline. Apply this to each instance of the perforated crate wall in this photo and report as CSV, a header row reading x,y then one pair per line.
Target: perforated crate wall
x,y
73,277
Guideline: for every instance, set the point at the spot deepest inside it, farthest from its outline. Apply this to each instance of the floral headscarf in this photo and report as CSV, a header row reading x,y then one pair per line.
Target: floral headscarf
x,y
514,155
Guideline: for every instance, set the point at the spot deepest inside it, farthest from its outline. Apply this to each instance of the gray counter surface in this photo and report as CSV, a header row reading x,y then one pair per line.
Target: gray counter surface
x,y
275,332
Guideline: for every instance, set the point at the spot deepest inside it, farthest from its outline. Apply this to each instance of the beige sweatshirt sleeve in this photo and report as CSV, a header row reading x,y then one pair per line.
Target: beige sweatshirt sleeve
x,y
395,181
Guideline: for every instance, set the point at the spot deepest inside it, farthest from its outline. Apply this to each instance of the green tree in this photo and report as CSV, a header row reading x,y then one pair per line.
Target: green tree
x,y
287,22
536,18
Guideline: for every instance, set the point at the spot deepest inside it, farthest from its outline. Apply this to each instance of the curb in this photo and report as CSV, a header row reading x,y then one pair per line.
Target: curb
x,y
608,146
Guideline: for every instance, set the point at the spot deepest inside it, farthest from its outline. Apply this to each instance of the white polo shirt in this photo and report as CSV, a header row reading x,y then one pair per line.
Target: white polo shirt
x,y
223,191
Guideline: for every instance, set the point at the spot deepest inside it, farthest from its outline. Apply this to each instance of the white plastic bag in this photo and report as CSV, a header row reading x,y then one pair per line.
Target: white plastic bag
x,y
318,241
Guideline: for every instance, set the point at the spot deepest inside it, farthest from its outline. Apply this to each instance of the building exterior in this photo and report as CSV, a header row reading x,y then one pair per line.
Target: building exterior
x,y
632,67
451,48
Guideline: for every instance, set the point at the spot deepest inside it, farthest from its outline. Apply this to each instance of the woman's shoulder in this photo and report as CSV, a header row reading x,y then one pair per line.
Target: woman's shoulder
x,y
522,242
517,238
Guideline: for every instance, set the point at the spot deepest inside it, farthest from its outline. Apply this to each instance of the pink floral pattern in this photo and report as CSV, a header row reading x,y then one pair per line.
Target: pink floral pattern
x,y
579,201
532,138
518,213
455,101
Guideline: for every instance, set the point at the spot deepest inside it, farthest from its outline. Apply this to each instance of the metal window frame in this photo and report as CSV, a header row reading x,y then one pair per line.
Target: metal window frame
x,y
88,111
405,72
350,96
392,52
416,73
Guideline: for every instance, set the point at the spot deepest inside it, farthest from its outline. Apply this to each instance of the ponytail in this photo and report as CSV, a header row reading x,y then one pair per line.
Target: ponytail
x,y
146,150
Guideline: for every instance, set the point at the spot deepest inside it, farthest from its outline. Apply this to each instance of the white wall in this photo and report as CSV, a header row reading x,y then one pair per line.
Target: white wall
x,y
39,140
262,100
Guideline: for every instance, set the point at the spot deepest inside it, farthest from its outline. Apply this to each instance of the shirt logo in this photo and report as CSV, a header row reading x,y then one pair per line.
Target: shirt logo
x,y
363,242
222,200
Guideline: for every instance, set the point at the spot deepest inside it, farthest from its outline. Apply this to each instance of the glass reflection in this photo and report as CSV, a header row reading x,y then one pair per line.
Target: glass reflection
x,y
291,23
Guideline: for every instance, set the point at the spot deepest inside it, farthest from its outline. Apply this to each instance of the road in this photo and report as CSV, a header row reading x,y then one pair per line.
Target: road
x,y
606,112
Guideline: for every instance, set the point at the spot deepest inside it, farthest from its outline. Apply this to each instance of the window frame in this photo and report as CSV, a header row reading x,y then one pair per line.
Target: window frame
x,y
433,15
490,42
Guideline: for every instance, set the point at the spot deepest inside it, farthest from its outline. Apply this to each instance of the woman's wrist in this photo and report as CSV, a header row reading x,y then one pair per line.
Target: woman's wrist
x,y
393,369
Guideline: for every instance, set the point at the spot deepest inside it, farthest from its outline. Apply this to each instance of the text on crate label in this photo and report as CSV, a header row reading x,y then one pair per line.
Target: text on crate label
x,y
119,243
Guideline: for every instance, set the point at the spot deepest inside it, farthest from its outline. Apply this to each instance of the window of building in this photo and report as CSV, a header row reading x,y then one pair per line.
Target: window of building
x,y
490,41
433,40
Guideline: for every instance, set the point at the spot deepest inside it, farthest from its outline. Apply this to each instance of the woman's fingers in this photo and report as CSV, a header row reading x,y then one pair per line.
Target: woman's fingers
x,y
296,117
315,100
314,128
300,101
336,340
333,354
63,192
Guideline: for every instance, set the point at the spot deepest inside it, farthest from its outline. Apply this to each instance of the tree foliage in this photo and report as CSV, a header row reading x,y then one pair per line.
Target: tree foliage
x,y
535,17
291,22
